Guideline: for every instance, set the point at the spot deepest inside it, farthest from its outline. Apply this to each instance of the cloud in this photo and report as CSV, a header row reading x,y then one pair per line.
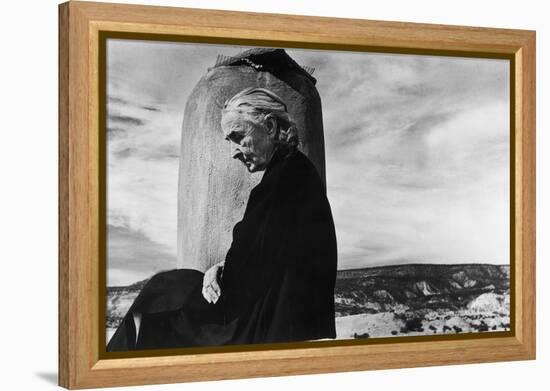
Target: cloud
x,y
164,151
133,256
125,120
116,99
442,196
417,156
116,131
428,122
150,108
142,162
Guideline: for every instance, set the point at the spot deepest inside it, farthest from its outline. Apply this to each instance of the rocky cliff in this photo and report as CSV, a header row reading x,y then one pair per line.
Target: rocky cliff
x,y
417,286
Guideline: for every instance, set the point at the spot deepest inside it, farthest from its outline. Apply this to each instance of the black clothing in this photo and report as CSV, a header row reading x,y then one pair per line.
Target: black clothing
x,y
277,283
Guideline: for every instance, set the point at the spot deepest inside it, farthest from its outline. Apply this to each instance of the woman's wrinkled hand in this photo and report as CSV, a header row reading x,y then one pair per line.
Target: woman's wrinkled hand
x,y
211,283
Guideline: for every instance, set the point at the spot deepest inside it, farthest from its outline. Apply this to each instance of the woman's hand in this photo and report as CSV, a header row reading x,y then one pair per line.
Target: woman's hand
x,y
211,283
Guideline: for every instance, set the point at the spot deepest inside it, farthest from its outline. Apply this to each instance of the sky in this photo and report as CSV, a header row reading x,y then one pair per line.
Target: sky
x,y
417,154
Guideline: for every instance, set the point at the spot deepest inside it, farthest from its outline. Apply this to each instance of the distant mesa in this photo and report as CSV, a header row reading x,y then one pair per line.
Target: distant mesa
x,y
417,286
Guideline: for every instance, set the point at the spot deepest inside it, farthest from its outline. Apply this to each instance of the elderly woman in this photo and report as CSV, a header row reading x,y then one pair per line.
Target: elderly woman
x,y
276,283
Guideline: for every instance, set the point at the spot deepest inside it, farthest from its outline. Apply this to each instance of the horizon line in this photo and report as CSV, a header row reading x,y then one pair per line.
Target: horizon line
x,y
431,263
352,269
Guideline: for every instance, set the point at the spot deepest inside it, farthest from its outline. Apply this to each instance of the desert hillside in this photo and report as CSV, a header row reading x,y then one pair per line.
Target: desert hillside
x,y
409,299
419,299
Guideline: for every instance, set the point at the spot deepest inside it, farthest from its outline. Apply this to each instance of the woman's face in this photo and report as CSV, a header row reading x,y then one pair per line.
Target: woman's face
x,y
251,143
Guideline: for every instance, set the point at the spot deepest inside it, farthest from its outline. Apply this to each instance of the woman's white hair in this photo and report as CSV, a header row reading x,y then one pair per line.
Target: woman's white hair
x,y
257,104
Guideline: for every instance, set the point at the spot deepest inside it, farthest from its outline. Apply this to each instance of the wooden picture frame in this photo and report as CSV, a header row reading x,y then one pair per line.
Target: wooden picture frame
x,y
82,364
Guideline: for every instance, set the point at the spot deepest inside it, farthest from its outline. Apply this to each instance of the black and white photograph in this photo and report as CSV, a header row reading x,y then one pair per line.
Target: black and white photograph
x,y
259,195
